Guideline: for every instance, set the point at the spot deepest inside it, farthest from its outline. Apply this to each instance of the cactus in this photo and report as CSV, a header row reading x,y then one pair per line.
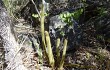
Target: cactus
x,y
63,55
57,50
49,49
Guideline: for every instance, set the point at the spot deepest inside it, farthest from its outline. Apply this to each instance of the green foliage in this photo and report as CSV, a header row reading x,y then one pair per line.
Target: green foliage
x,y
62,33
102,11
100,37
77,14
36,15
66,17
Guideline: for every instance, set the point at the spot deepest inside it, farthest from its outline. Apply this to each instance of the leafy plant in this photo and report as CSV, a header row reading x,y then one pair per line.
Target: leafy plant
x,y
102,11
67,17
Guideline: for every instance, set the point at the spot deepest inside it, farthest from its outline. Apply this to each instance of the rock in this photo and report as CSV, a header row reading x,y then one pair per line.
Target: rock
x,y
60,29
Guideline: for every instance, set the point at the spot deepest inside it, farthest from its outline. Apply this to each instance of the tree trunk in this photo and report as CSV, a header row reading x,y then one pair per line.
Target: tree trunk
x,y
11,47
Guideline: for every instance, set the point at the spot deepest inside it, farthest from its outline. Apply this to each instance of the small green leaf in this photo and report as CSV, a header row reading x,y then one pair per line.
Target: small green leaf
x,y
46,14
72,14
63,19
35,15
68,20
61,15
62,33
81,11
68,14
64,15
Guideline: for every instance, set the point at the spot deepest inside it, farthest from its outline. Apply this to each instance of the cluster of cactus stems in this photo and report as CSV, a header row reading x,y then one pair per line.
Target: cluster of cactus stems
x,y
50,53
47,45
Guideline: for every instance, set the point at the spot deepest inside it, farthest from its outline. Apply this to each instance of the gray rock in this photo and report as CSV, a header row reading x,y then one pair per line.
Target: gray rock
x,y
60,29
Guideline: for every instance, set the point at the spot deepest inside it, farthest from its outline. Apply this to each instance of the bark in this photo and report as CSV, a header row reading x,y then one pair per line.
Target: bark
x,y
13,58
